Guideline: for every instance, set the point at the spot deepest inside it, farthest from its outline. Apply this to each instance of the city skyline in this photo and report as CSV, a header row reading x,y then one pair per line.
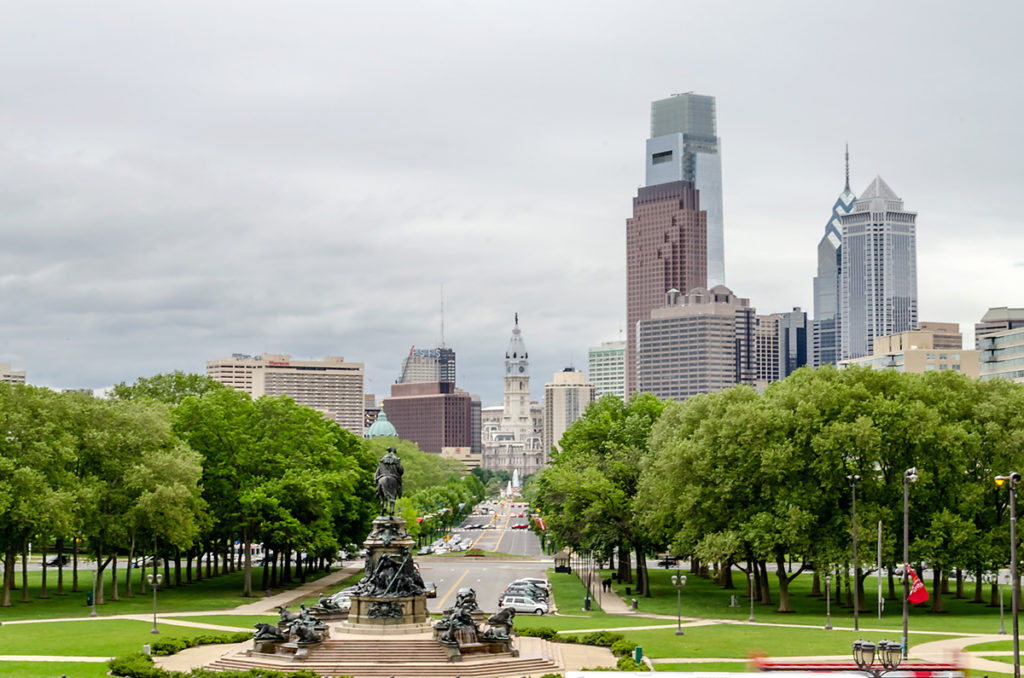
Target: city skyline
x,y
304,180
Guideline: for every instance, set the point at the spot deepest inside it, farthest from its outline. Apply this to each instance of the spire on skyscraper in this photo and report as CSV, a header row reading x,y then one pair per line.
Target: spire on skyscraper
x,y
847,189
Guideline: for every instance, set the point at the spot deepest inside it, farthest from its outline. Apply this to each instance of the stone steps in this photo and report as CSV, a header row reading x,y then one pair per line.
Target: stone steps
x,y
418,658
389,668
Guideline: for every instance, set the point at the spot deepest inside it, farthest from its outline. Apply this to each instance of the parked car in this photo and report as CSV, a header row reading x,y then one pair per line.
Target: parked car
x,y
667,562
425,551
524,604
534,581
147,562
529,592
55,560
430,588
342,599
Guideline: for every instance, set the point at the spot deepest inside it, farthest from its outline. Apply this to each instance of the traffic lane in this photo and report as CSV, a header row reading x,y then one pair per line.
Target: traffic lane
x,y
519,543
488,578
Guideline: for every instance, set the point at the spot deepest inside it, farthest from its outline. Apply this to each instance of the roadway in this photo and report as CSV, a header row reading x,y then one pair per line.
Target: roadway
x,y
491,574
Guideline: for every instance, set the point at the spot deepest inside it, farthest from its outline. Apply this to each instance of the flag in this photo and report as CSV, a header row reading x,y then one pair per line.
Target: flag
x,y
918,593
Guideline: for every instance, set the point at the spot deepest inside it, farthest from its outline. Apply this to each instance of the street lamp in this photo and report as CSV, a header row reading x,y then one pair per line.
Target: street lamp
x,y
1011,480
828,602
679,581
909,476
154,582
750,586
856,580
889,653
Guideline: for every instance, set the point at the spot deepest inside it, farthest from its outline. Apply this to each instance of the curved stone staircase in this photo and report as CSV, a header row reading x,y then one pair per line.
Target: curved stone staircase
x,y
404,657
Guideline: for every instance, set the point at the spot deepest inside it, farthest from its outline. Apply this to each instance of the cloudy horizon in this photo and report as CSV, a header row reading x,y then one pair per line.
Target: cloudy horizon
x,y
183,181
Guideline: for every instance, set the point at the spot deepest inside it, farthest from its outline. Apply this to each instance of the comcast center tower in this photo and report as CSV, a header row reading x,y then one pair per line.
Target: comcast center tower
x,y
684,146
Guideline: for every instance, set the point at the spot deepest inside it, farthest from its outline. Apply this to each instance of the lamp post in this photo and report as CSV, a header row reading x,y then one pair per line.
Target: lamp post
x,y
750,586
909,476
154,583
889,653
828,602
679,581
1011,480
856,580
95,576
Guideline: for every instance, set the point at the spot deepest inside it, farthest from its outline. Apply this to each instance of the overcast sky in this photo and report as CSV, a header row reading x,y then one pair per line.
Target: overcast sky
x,y
180,181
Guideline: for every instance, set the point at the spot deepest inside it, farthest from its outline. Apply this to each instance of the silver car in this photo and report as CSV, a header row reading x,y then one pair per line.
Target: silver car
x,y
524,604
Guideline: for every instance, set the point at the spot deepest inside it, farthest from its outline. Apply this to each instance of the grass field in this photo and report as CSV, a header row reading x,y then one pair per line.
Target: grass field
x,y
733,641
728,667
242,621
215,593
569,592
703,598
53,669
95,638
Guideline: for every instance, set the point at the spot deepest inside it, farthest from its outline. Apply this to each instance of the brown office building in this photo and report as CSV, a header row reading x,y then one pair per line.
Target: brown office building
x,y
434,415
666,248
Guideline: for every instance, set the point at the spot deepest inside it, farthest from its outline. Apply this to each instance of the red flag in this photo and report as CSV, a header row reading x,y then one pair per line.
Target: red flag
x,y
918,593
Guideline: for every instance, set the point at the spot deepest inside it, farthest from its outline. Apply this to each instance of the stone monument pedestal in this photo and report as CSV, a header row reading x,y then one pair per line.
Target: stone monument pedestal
x,y
383,612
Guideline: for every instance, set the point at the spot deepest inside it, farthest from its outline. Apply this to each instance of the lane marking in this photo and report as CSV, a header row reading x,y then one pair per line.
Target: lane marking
x,y
455,587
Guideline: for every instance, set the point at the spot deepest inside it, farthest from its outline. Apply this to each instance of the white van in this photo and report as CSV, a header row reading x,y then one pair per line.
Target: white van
x,y
523,604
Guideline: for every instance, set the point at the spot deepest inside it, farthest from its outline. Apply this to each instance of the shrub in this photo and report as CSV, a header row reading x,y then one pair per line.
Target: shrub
x,y
176,645
600,638
545,632
623,647
626,663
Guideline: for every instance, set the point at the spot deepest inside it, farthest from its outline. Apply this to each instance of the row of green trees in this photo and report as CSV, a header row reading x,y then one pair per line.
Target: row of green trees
x,y
180,466
742,479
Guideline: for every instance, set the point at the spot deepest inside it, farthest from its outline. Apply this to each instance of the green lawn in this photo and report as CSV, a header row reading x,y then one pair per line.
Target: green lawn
x,y
703,598
569,592
727,667
242,621
721,641
209,594
53,669
96,638
603,621
994,645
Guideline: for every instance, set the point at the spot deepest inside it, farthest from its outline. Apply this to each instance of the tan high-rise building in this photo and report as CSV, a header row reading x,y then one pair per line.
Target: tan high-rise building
x,y
331,385
565,400
920,351
666,248
9,376
701,342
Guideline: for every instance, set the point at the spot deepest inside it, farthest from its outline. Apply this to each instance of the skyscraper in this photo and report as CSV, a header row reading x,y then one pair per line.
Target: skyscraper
x,y
428,364
684,146
665,249
566,397
606,368
701,342
878,270
331,385
825,328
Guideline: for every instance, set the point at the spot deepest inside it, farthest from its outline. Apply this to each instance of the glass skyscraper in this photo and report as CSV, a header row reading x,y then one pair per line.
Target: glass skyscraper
x,y
825,328
684,146
878,270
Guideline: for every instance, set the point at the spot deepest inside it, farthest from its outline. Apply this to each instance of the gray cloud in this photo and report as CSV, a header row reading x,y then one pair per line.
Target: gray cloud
x,y
180,181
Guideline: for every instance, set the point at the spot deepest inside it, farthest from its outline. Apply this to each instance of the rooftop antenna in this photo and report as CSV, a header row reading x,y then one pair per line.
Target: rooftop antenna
x,y
847,167
442,316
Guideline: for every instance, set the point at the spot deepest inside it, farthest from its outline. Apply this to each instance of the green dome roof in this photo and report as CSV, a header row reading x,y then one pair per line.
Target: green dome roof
x,y
382,427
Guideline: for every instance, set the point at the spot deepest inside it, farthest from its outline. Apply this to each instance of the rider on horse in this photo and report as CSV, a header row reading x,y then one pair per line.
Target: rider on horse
x,y
388,479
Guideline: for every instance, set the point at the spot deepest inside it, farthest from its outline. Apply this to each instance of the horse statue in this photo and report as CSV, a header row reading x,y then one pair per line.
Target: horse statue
x,y
388,479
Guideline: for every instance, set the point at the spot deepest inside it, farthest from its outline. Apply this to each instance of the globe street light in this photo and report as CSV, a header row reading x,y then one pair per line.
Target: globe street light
x,y
679,581
856,580
1011,480
154,583
889,653
909,476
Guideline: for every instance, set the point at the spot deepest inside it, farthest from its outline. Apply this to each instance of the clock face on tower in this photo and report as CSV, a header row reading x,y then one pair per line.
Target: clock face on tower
x,y
521,369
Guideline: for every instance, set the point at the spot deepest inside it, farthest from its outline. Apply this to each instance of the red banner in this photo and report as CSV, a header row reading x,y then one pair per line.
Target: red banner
x,y
918,593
